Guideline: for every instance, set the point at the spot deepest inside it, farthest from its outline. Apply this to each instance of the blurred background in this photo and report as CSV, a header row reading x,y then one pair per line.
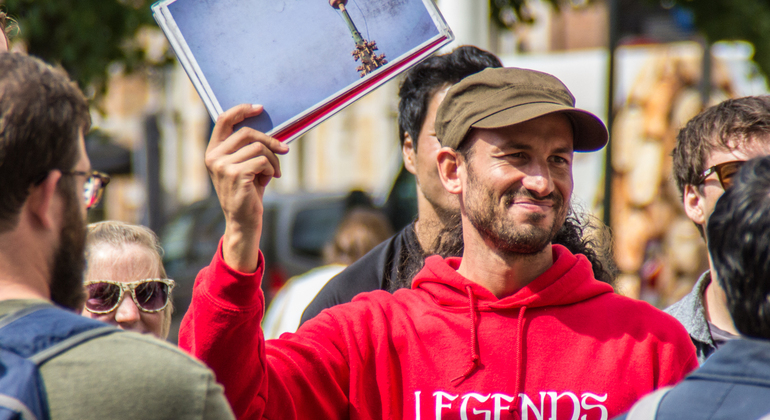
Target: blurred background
x,y
644,66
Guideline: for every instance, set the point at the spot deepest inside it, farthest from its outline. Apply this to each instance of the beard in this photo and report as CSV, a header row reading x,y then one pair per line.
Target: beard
x,y
69,259
488,215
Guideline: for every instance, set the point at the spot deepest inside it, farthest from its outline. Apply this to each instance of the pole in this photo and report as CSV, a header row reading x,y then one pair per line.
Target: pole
x,y
613,43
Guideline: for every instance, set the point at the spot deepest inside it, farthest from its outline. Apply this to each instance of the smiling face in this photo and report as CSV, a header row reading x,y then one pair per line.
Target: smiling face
x,y
518,183
130,262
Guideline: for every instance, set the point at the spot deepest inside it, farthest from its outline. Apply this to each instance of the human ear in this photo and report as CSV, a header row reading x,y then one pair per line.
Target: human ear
x,y
40,203
408,150
449,169
694,204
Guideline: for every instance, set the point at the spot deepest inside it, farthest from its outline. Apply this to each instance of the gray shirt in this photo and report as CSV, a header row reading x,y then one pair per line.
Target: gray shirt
x,y
127,376
691,312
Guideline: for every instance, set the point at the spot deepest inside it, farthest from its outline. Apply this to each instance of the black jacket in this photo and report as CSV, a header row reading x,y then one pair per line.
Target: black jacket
x,y
389,266
734,383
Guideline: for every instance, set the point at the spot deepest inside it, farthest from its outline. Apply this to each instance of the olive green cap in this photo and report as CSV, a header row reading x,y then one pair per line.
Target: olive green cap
x,y
500,97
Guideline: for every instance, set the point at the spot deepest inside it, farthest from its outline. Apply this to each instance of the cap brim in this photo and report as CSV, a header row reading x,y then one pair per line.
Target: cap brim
x,y
589,132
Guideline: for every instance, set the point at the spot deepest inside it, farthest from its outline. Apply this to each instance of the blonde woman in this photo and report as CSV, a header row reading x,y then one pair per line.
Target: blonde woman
x,y
125,279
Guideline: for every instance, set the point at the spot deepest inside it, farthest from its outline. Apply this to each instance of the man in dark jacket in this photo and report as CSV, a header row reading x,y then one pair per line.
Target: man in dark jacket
x,y
733,383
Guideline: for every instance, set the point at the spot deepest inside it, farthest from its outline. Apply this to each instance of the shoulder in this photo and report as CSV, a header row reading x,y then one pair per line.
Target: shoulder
x,y
131,352
640,317
375,305
365,275
107,376
692,303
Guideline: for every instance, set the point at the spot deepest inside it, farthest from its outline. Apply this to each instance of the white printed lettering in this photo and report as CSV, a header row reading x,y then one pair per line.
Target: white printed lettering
x,y
527,404
498,407
478,397
417,405
555,403
603,398
439,404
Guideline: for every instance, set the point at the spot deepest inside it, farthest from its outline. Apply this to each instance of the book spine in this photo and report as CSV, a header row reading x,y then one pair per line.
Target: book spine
x,y
166,22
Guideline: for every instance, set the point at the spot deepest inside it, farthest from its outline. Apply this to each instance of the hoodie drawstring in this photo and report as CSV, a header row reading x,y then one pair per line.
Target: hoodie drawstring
x,y
515,409
474,337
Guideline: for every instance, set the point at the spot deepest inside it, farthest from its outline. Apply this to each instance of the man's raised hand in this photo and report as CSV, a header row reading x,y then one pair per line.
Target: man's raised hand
x,y
241,163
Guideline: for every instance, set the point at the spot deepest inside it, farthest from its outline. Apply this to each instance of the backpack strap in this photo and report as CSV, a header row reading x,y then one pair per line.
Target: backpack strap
x,y
647,407
44,355
41,332
13,316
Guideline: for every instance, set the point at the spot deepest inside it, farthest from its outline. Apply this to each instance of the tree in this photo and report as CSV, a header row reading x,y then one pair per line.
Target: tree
x,y
717,20
746,20
84,36
508,13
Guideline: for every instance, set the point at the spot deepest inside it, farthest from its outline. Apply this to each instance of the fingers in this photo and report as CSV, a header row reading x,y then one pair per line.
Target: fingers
x,y
247,135
258,154
227,119
244,145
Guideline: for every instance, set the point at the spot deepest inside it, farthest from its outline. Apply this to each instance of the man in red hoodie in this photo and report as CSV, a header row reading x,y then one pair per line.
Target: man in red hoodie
x,y
516,328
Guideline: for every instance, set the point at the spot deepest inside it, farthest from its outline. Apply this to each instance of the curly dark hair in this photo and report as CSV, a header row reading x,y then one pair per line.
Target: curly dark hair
x,y
428,77
584,234
581,233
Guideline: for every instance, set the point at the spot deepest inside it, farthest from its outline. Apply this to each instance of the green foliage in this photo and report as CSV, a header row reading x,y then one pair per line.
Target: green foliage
x,y
84,36
508,13
747,20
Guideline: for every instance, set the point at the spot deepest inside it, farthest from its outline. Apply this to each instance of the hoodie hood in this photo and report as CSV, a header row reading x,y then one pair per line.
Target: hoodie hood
x,y
569,280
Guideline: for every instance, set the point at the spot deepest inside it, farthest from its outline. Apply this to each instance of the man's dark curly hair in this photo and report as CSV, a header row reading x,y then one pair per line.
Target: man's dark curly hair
x,y
585,234
581,233
430,76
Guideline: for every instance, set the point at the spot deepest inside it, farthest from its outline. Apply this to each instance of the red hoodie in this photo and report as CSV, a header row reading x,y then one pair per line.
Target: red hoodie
x,y
564,347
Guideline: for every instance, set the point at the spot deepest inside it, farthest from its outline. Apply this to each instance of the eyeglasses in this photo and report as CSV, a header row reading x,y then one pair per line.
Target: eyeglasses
x,y
150,295
725,172
93,187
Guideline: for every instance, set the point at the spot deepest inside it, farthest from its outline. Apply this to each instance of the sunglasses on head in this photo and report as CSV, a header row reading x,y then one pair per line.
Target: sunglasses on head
x,y
149,295
725,171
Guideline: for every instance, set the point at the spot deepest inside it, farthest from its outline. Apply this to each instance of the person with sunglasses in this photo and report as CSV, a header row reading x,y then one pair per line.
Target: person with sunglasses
x,y
46,186
125,278
733,384
709,152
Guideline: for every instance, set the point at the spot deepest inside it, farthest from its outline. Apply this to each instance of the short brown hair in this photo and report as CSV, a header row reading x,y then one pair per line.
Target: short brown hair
x,y
723,126
42,116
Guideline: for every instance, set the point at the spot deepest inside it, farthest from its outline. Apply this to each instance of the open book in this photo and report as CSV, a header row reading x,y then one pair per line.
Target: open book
x,y
303,60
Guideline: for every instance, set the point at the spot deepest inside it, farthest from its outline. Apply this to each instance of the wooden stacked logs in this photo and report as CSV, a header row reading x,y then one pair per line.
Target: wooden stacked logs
x,y
658,249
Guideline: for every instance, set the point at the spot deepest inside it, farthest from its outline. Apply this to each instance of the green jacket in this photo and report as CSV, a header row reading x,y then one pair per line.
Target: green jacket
x,y
128,376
